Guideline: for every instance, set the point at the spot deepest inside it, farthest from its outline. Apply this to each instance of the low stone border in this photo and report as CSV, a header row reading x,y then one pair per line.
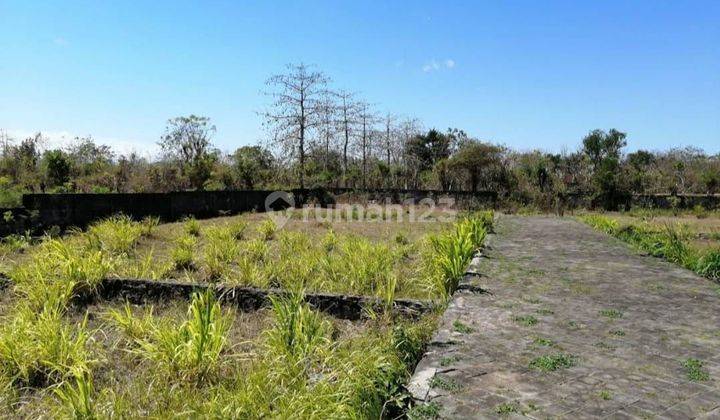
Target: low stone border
x,y
247,299
419,384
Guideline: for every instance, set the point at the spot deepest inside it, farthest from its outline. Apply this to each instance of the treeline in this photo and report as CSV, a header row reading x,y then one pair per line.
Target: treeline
x,y
321,137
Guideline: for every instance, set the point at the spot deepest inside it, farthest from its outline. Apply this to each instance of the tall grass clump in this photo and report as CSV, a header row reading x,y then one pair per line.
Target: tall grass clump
x,y
220,250
116,235
447,255
191,226
191,350
40,348
267,229
183,253
77,397
237,229
298,331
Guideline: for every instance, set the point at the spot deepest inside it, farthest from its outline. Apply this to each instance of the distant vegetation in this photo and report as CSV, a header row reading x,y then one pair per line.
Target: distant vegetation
x,y
318,136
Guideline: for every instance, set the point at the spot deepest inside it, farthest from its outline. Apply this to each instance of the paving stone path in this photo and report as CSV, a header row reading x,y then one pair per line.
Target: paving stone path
x,y
618,328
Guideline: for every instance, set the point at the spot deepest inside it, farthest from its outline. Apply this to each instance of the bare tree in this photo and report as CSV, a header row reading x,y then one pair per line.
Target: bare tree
x,y
367,120
328,124
409,128
390,130
296,108
348,109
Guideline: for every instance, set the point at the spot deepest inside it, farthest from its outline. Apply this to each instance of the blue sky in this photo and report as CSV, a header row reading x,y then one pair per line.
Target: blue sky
x,y
527,74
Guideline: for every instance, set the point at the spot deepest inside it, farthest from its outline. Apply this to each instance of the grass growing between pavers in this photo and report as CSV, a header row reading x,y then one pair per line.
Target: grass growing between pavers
x,y
694,370
525,320
553,362
56,360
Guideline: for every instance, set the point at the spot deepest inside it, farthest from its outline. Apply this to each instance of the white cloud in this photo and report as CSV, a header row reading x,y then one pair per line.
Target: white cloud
x,y
60,42
431,66
434,65
63,139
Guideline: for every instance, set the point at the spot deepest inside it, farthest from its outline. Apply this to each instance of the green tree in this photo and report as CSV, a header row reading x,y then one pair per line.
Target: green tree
x,y
603,151
251,165
57,167
188,140
480,162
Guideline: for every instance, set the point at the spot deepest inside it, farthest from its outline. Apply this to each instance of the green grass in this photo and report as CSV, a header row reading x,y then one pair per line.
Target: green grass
x,y
543,342
553,362
611,313
525,320
671,242
301,364
694,370
462,328
618,333
424,411
507,408
445,383
449,360
605,395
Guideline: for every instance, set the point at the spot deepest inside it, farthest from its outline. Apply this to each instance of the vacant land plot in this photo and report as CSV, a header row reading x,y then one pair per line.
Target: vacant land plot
x,y
60,357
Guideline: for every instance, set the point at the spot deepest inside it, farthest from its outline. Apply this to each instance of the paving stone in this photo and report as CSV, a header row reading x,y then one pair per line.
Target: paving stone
x,y
630,320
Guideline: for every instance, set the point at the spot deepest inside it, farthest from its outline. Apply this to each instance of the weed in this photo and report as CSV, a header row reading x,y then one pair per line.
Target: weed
x,y
526,320
298,331
237,229
445,383
401,239
694,370
149,224
506,408
544,311
462,328
424,411
611,313
618,333
449,360
605,395
709,265
544,342
553,362
220,250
